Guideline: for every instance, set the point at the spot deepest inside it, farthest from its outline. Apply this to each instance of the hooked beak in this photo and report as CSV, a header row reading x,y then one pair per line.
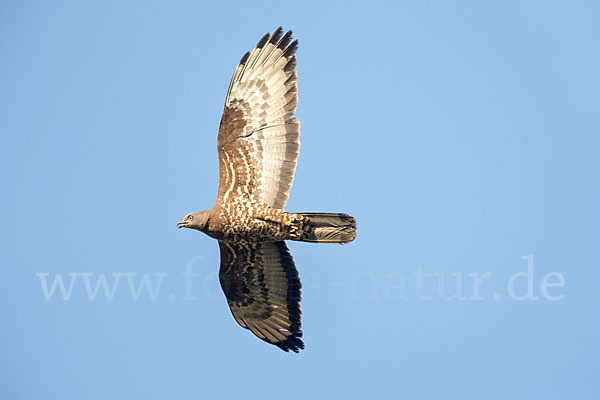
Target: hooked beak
x,y
182,224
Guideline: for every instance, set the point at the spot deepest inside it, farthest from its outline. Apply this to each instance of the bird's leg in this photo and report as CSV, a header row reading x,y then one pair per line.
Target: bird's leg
x,y
293,221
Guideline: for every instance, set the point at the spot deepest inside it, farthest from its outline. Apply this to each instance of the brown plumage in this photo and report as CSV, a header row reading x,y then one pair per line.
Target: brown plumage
x,y
258,146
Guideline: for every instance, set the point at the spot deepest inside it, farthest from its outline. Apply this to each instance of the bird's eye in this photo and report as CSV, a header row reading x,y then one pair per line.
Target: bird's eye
x,y
190,217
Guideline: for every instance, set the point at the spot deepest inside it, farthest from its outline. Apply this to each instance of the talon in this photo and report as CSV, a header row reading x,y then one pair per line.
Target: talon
x,y
293,230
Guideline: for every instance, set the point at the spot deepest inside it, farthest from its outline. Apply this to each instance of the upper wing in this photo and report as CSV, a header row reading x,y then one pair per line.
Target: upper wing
x,y
258,141
262,287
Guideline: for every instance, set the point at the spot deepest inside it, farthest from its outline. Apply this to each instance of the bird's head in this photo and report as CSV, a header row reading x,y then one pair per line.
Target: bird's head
x,y
197,220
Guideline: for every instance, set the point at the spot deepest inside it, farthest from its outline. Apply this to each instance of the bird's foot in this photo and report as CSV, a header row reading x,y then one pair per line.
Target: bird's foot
x,y
294,228
294,232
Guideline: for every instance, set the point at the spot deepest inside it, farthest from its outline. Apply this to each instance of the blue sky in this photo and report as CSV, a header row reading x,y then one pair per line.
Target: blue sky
x,y
464,137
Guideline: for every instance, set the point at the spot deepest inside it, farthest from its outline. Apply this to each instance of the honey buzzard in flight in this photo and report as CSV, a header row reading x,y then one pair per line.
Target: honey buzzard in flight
x,y
258,146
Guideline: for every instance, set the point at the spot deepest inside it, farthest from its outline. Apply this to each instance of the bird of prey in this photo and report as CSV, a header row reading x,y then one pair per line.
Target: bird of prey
x,y
258,146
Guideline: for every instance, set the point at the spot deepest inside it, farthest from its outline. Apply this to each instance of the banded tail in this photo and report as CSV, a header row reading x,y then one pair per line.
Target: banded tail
x,y
328,228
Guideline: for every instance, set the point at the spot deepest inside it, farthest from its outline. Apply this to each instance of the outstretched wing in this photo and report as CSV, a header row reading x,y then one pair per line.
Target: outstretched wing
x,y
262,287
258,140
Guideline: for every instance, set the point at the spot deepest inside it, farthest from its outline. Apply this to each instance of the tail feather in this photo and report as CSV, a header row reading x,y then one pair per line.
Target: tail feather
x,y
328,228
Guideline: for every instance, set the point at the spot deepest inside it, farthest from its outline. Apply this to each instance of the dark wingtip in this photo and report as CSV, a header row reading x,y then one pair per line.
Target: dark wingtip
x,y
291,50
293,343
244,58
261,43
285,40
276,35
291,64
